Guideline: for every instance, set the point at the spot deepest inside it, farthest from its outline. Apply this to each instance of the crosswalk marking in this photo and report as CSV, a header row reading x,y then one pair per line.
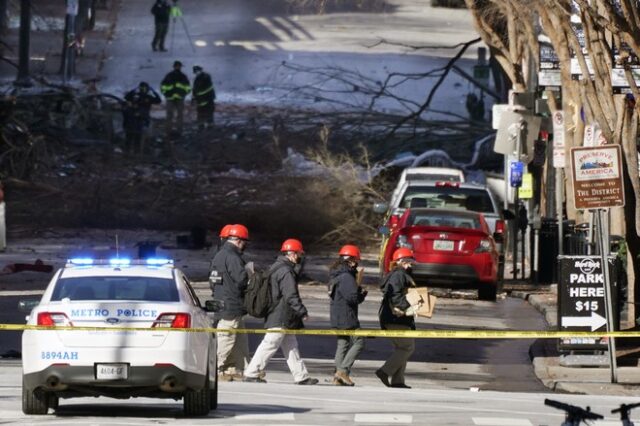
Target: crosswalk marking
x,y
297,32
278,32
500,421
272,417
383,418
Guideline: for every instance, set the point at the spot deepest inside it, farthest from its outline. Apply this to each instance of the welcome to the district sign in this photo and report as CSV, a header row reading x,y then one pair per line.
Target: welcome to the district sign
x,y
597,177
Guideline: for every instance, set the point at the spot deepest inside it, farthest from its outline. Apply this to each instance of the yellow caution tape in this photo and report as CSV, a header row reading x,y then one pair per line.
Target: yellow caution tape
x,y
420,334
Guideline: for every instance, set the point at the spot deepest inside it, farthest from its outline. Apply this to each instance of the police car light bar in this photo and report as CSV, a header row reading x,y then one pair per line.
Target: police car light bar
x,y
86,261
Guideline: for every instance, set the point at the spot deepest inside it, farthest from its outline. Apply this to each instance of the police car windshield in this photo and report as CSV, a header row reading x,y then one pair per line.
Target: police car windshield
x,y
116,288
476,200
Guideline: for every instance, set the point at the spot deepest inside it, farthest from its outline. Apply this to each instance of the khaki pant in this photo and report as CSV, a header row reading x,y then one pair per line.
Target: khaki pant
x,y
402,349
175,108
233,349
347,350
267,349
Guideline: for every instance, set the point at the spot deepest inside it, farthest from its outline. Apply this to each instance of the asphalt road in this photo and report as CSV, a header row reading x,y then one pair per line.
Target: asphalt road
x,y
486,364
244,44
287,404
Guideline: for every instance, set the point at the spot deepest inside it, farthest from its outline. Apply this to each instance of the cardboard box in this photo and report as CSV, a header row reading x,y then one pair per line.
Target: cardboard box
x,y
420,295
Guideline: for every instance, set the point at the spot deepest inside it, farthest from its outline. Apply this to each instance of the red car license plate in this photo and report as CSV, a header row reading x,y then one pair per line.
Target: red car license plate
x,y
444,245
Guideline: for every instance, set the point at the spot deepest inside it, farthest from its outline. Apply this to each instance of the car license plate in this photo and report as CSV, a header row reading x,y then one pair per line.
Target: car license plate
x,y
444,245
112,371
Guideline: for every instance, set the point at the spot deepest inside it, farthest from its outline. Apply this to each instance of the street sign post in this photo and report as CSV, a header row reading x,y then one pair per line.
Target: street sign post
x,y
581,300
597,177
596,173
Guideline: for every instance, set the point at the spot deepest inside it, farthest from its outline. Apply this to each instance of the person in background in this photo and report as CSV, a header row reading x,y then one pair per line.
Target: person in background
x,y
137,115
175,87
396,313
289,313
204,96
345,295
161,12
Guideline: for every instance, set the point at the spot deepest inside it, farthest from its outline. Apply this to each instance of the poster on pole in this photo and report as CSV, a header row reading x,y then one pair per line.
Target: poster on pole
x,y
549,76
558,140
597,177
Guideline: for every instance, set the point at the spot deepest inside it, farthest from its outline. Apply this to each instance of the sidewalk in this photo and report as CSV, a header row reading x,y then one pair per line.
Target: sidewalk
x,y
586,380
46,40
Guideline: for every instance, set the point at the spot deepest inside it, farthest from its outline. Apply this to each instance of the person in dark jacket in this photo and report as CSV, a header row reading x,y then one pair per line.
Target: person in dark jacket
x,y
204,96
214,277
233,349
288,312
345,295
136,114
396,313
161,12
175,87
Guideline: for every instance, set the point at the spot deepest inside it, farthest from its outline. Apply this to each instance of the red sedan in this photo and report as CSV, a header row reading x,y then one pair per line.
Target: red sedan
x,y
452,248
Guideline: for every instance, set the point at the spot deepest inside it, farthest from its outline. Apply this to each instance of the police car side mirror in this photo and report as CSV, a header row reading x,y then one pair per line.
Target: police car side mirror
x,y
27,305
213,305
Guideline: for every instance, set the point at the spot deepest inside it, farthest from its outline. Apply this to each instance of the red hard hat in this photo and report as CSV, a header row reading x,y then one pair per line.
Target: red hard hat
x,y
402,253
224,232
350,250
239,231
292,245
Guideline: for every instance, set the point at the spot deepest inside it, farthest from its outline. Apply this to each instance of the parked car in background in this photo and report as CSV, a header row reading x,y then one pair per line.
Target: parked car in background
x,y
446,195
427,174
452,248
115,294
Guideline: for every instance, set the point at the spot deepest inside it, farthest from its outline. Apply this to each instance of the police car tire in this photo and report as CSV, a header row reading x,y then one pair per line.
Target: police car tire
x,y
488,292
197,402
54,401
213,393
34,402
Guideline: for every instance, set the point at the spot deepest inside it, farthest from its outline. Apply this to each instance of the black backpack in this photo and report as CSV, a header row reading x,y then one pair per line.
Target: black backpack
x,y
258,300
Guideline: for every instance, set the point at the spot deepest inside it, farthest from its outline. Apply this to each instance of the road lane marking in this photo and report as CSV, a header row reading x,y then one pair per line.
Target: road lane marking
x,y
279,33
21,293
272,417
383,418
500,421
297,32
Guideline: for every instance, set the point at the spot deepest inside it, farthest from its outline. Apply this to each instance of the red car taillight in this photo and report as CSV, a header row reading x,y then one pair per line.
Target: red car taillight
x,y
173,320
52,319
499,226
484,246
448,184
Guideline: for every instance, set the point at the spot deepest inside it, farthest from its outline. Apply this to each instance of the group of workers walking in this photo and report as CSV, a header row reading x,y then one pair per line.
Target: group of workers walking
x,y
229,281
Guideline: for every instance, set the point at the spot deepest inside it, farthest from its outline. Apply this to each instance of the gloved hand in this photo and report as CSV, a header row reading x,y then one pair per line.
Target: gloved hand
x,y
412,311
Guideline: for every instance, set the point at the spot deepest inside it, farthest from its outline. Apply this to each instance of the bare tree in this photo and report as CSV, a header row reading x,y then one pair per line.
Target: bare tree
x,y
509,28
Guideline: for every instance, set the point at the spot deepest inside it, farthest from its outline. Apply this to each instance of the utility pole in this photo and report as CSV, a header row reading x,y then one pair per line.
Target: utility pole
x,y
4,19
67,68
23,78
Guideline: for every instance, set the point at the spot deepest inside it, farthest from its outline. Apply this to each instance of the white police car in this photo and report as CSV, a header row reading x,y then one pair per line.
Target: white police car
x,y
119,363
